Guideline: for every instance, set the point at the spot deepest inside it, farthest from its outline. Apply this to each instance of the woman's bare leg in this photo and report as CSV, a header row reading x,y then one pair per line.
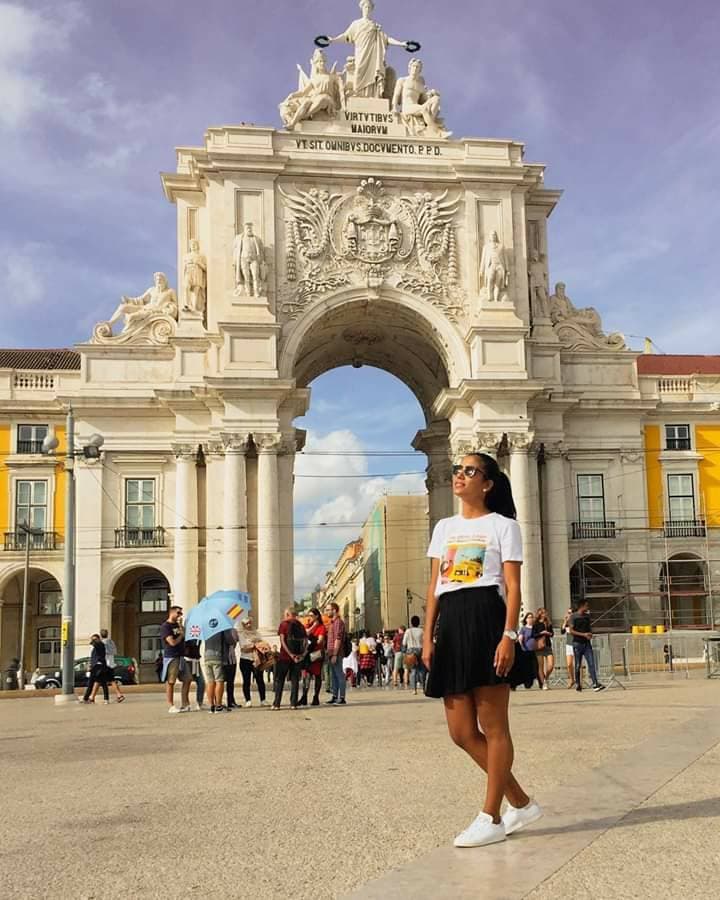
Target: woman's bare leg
x,y
461,712
492,711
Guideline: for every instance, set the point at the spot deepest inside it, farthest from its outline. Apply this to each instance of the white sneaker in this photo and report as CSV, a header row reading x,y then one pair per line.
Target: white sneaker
x,y
248,703
545,686
173,710
264,703
481,832
198,707
515,819
185,709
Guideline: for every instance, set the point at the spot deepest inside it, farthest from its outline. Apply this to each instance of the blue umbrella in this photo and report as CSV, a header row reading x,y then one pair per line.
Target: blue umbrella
x,y
215,613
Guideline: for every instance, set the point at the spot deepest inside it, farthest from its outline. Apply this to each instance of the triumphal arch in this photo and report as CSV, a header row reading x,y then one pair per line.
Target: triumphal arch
x,y
359,231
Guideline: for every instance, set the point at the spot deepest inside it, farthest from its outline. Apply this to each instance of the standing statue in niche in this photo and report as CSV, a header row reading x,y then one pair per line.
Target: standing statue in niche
x,y
494,274
157,300
195,278
419,107
322,92
249,262
537,277
371,43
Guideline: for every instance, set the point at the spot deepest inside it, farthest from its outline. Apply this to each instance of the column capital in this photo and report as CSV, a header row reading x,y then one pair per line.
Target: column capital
x,y
556,450
521,441
461,445
184,451
235,441
268,442
212,449
487,441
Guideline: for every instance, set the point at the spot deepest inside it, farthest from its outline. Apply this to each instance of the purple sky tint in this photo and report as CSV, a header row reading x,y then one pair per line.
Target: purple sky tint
x,y
618,98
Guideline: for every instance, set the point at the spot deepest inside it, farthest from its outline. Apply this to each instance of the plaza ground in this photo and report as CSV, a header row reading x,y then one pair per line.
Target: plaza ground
x,y
126,801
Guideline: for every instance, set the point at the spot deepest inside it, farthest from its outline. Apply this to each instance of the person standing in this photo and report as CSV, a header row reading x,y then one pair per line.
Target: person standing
x,y
248,641
397,643
474,599
317,637
388,665
215,662
569,652
172,635
230,667
543,633
192,663
336,651
412,647
98,671
110,654
581,630
293,647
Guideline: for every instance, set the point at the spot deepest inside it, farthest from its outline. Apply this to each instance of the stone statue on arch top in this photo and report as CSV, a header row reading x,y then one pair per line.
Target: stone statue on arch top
x,y
371,43
249,263
538,280
322,92
419,106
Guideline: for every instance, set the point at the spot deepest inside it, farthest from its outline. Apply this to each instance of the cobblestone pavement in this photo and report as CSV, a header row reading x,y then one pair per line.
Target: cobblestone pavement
x,y
127,801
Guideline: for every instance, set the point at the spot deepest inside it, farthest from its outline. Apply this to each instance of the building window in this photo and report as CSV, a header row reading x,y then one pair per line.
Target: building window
x,y
50,598
150,643
591,498
140,503
31,504
681,498
49,648
30,438
677,437
154,595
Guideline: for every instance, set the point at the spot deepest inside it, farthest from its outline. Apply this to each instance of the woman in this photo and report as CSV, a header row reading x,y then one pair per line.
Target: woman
x,y
98,670
247,642
543,634
366,659
470,636
192,661
317,638
525,638
569,652
412,649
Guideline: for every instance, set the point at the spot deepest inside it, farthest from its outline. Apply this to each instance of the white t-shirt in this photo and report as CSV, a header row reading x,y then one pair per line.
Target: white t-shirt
x,y
413,637
472,551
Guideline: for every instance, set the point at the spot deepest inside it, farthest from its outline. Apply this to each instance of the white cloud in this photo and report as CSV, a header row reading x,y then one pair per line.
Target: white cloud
x,y
330,510
22,284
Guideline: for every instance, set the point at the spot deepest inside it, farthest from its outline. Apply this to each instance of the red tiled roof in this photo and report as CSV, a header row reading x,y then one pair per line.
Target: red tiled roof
x,y
40,359
671,364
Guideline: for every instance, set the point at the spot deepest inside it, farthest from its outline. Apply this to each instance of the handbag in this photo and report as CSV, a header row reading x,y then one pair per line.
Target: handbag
x,y
541,643
315,655
411,660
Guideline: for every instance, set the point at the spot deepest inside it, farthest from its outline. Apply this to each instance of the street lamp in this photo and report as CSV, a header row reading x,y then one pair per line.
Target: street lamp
x,y
91,450
408,601
29,534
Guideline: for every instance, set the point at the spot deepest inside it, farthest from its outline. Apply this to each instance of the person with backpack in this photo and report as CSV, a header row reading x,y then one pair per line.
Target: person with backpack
x,y
293,649
339,646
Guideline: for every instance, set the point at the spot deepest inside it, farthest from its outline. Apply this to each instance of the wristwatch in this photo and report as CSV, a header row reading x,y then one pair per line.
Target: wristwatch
x,y
509,633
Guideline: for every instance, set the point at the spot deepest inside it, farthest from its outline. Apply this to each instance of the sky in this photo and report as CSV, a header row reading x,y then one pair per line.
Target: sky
x,y
618,99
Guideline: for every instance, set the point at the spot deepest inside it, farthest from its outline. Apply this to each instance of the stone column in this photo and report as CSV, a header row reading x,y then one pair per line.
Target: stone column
x,y
291,445
269,601
556,535
185,589
434,442
523,475
235,540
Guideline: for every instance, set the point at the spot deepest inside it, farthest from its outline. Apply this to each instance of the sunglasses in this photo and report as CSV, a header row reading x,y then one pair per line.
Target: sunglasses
x,y
467,471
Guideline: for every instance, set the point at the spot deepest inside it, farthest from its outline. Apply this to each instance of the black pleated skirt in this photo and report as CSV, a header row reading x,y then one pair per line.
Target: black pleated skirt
x,y
468,629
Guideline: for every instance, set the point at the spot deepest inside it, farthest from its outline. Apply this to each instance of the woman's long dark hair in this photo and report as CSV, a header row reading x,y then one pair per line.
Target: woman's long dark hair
x,y
316,614
500,498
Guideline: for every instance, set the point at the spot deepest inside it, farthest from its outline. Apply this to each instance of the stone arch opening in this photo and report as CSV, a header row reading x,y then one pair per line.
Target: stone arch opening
x,y
42,623
140,598
407,339
683,580
601,581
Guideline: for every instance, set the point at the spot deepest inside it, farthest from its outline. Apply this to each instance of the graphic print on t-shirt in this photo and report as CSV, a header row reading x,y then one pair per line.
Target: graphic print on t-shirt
x,y
463,561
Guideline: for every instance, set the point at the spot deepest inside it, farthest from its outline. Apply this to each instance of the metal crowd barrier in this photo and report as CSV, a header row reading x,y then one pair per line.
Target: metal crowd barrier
x,y
648,654
712,656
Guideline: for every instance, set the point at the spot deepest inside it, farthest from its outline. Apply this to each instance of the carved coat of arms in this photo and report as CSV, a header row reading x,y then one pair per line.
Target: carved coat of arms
x,y
371,237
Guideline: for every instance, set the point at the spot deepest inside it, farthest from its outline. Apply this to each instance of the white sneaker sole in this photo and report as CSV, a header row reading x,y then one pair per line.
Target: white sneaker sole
x,y
537,814
465,843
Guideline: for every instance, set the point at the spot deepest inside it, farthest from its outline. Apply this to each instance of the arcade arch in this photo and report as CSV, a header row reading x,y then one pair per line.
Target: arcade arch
x,y
601,581
42,625
684,590
140,597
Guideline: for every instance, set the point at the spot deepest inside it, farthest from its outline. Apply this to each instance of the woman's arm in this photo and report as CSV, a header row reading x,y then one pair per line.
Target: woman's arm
x,y
505,652
431,611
